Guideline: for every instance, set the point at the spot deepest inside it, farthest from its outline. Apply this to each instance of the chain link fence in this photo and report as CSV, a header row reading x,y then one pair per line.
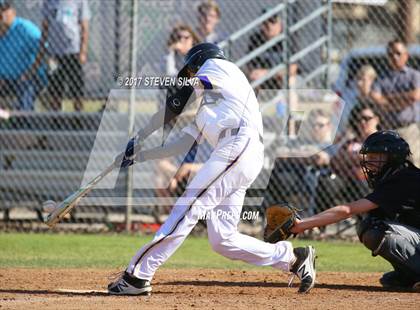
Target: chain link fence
x,y
318,68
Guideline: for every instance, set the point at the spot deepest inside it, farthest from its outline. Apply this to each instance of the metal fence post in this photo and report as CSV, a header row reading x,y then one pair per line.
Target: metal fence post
x,y
329,35
286,55
117,37
131,111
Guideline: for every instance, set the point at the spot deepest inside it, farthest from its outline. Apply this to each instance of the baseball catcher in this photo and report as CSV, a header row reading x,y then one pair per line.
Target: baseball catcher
x,y
391,224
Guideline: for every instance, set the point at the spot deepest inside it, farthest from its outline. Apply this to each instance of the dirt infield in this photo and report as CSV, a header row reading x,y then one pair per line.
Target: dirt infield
x,y
198,288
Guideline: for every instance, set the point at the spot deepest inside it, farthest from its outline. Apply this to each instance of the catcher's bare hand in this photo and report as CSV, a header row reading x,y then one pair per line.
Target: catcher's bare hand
x,y
296,228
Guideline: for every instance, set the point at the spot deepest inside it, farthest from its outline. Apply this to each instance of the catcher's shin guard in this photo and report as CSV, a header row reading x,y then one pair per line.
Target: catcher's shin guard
x,y
402,254
393,246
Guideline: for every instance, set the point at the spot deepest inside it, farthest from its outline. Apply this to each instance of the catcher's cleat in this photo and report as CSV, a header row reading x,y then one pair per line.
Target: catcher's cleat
x,y
304,268
397,280
126,284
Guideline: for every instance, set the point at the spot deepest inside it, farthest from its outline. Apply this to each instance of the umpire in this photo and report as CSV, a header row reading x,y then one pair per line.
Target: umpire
x,y
391,224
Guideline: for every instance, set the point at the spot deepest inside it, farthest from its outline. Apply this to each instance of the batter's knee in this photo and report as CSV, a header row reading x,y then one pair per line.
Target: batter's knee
x,y
221,244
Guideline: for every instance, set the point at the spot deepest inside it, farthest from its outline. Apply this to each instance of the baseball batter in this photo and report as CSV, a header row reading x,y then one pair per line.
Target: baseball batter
x,y
391,224
229,119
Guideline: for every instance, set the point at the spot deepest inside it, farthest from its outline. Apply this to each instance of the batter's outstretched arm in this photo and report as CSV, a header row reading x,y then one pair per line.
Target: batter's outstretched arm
x,y
178,147
175,104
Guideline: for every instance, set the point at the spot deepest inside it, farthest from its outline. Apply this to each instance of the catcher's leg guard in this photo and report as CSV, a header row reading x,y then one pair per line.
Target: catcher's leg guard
x,y
371,232
403,255
372,239
390,242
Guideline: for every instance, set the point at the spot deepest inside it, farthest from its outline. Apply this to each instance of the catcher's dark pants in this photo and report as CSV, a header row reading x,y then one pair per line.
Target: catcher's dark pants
x,y
399,244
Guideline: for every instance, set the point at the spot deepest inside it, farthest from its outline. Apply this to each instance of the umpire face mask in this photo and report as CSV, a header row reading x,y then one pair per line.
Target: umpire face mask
x,y
376,167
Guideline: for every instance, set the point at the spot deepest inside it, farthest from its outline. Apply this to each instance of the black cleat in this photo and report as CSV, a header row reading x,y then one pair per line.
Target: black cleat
x,y
126,284
304,268
397,280
416,287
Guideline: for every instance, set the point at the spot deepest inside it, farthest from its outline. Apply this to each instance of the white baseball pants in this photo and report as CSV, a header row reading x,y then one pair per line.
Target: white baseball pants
x,y
217,190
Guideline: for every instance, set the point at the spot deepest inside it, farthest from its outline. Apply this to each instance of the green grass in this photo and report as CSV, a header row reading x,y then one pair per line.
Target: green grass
x,y
114,251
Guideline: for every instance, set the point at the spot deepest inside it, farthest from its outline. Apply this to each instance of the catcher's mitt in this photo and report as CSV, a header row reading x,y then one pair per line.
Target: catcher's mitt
x,y
280,219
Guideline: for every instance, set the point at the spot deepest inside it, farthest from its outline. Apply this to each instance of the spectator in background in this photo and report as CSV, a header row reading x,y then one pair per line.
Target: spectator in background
x,y
303,180
208,17
366,76
320,185
316,133
65,27
358,91
19,45
181,40
319,131
364,120
260,65
317,173
398,95
273,56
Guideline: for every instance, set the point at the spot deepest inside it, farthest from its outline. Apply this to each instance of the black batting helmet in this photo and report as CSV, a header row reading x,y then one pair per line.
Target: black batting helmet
x,y
393,152
197,55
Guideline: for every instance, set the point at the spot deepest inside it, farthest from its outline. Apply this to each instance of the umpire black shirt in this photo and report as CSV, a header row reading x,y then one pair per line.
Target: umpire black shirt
x,y
398,197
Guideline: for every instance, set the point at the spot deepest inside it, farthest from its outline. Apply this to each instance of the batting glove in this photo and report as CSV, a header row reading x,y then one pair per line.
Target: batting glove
x,y
128,157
